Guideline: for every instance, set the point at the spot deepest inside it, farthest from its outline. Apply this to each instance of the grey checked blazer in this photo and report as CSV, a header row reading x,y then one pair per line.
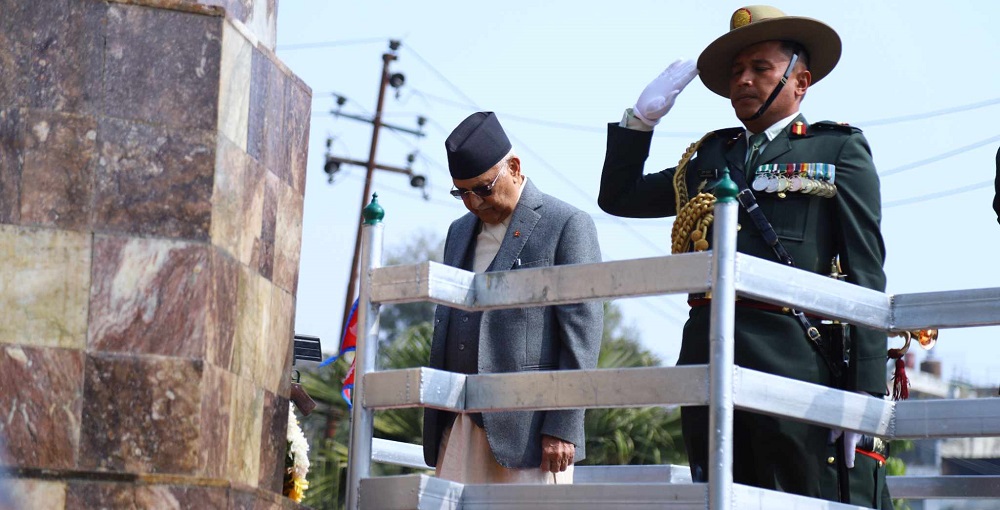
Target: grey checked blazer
x,y
567,337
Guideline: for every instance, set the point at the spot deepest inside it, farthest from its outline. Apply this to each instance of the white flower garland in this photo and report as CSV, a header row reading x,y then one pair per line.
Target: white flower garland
x,y
298,452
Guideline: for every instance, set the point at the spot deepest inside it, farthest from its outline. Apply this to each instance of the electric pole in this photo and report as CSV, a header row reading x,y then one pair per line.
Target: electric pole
x,y
333,163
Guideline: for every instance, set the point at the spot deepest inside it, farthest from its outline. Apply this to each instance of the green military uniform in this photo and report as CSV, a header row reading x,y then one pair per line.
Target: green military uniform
x,y
770,452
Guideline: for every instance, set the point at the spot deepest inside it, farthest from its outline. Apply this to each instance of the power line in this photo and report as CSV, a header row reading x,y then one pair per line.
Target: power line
x,y
454,88
939,157
938,194
329,44
927,115
657,248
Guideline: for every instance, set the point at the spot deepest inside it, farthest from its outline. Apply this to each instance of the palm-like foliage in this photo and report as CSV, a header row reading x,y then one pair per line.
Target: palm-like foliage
x,y
649,435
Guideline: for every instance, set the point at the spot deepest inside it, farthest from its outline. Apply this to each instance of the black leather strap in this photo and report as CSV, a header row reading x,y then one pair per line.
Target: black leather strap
x,y
749,203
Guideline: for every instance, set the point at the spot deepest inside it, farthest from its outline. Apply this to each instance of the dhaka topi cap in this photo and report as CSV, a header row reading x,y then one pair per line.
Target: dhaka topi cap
x,y
476,145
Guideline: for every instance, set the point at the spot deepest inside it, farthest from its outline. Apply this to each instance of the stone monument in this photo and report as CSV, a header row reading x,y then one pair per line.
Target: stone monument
x,y
152,174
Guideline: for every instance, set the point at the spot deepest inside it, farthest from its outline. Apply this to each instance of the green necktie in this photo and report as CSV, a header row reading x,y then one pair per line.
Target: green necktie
x,y
755,142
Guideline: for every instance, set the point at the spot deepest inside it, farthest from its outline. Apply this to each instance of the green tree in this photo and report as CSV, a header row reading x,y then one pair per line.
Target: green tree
x,y
645,435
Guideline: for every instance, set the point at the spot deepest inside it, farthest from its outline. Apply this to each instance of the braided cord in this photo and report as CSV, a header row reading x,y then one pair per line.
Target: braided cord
x,y
694,216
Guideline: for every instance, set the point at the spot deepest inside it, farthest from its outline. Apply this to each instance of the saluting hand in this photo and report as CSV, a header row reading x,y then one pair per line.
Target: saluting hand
x,y
557,455
658,97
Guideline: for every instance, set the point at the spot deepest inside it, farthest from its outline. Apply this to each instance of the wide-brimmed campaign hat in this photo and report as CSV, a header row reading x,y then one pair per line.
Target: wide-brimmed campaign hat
x,y
758,23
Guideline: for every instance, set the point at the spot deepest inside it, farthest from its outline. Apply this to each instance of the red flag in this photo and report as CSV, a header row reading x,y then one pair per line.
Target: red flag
x,y
348,343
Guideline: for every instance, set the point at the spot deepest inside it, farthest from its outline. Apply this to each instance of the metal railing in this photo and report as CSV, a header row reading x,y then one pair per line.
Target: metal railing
x,y
721,385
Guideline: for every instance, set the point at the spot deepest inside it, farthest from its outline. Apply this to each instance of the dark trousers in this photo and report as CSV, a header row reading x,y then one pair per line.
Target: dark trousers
x,y
784,455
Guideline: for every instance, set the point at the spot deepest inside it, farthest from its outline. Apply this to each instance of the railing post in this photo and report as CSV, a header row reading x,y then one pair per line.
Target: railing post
x,y
720,443
359,449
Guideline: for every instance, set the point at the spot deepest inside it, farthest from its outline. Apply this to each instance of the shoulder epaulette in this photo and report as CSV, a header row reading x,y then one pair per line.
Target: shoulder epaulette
x,y
729,135
835,127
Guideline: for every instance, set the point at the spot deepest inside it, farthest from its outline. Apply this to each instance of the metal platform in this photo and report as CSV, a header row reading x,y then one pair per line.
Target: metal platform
x,y
721,385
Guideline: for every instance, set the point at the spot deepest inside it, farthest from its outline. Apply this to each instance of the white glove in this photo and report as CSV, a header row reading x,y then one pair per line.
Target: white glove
x,y
657,98
851,440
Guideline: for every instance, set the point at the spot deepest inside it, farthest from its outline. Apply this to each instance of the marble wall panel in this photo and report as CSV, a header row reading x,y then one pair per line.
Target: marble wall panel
x,y
262,21
257,115
92,495
141,414
298,110
41,395
154,181
275,157
15,44
66,64
11,157
57,179
274,347
150,296
254,186
245,432
162,66
263,256
222,310
216,416
253,316
288,239
273,442
234,86
229,196
44,287
37,494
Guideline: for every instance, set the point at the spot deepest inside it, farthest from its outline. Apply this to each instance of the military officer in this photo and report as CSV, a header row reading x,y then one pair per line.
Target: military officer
x,y
816,184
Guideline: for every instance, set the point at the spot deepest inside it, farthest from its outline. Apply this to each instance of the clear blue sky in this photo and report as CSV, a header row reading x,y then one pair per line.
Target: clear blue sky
x,y
557,72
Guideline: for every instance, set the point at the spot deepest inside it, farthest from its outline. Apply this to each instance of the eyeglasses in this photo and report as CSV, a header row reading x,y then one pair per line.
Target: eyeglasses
x,y
480,191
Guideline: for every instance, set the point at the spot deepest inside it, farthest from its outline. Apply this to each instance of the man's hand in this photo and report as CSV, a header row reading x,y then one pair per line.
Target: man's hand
x,y
658,97
850,443
557,455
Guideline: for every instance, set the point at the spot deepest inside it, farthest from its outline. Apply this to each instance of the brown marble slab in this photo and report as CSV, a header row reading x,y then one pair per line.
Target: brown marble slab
x,y
273,368
253,299
229,198
273,442
275,142
57,179
222,310
234,86
66,65
41,395
245,432
298,111
141,414
44,286
264,247
162,66
93,495
154,181
15,41
216,415
260,67
150,296
253,212
288,239
11,156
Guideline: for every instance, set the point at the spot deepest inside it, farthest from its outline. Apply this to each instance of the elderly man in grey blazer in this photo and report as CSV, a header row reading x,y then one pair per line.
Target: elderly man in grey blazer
x,y
510,225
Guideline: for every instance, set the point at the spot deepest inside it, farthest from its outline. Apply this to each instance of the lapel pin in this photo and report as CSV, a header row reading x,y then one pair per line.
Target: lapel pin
x,y
517,233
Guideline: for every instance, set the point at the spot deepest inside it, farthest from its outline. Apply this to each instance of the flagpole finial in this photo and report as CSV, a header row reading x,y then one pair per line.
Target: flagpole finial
x,y
373,212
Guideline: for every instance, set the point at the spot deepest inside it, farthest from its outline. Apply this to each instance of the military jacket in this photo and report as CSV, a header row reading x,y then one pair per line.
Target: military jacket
x,y
812,228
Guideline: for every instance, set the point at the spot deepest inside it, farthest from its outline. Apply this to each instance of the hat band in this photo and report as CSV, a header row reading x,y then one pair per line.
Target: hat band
x,y
777,89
